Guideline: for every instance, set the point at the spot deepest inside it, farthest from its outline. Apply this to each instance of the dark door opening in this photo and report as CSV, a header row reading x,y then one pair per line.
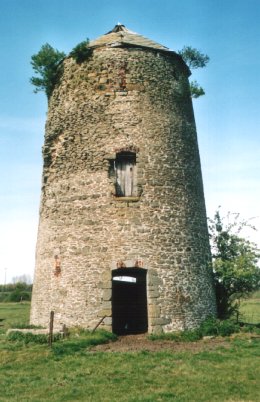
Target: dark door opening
x,y
129,301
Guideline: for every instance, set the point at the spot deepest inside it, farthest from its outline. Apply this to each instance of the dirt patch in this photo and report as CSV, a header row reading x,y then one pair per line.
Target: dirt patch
x,y
137,343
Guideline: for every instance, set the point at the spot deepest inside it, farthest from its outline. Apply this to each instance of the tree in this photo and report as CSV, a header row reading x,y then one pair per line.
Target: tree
x,y
46,64
194,59
25,278
81,52
196,90
235,259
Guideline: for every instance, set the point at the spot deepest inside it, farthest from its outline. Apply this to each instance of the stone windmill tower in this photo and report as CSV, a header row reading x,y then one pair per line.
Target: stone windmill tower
x,y
122,233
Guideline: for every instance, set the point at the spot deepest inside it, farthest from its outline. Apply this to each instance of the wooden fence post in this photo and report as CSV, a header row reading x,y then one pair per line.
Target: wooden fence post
x,y
51,328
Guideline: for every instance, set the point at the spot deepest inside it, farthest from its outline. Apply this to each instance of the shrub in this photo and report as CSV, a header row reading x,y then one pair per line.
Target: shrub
x,y
18,295
4,297
235,263
191,336
81,52
210,327
215,327
228,327
15,292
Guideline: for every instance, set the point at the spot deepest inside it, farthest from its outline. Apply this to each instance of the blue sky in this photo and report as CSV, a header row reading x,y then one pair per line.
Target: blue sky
x,y
228,117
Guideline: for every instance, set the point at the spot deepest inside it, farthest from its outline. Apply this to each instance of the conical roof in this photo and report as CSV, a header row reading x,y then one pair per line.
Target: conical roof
x,y
120,35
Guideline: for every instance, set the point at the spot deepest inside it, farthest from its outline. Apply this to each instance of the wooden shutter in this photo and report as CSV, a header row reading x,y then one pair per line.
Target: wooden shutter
x,y
125,175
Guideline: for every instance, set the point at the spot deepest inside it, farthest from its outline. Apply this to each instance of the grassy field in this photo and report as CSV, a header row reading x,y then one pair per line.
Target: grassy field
x,y
14,314
250,309
37,373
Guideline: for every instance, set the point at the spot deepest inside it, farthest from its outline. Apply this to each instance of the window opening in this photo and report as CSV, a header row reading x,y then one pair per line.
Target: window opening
x,y
125,169
124,279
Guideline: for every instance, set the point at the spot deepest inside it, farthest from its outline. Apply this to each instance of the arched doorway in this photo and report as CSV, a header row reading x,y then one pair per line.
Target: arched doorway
x,y
129,301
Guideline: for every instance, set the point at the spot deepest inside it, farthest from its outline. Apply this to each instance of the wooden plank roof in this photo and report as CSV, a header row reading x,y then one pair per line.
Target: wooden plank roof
x,y
120,36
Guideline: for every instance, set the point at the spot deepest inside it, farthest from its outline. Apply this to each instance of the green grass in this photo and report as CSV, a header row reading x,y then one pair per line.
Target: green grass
x,y
250,309
37,374
71,372
14,314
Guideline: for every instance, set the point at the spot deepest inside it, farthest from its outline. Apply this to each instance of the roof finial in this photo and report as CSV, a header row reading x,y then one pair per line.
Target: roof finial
x,y
118,28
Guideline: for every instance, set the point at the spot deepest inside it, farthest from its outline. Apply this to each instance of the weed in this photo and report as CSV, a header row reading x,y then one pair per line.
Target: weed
x,y
184,336
82,340
213,326
29,337
26,326
210,327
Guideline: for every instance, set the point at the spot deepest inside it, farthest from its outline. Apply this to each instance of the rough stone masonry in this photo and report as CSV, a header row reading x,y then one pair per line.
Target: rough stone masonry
x,y
122,189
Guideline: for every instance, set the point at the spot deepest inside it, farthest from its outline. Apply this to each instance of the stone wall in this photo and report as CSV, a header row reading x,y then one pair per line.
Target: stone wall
x,y
122,99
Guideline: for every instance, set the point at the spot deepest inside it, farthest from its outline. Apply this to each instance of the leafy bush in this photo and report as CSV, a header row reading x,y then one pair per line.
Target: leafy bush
x,y
15,292
191,336
4,297
235,263
18,295
228,327
213,326
81,52
210,327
